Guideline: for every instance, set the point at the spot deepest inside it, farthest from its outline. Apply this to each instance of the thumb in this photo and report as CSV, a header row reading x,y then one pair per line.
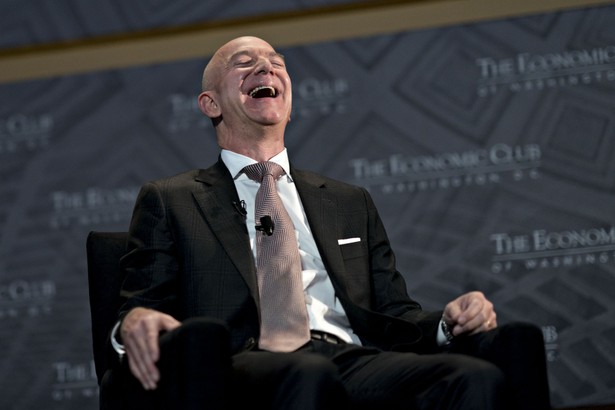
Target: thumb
x,y
169,323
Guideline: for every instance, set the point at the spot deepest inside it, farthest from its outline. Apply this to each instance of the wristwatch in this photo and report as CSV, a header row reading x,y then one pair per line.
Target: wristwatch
x,y
446,330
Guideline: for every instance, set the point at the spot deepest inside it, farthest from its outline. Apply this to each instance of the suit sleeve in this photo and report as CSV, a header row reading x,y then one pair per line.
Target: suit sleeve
x,y
151,264
390,294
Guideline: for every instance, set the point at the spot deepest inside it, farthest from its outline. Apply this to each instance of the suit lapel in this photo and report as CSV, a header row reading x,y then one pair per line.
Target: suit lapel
x,y
320,207
216,195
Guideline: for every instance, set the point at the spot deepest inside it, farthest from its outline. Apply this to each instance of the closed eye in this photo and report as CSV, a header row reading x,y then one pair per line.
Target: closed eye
x,y
278,63
243,63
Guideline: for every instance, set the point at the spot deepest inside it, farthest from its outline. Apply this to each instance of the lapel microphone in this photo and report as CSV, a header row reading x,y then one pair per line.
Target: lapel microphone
x,y
241,207
266,225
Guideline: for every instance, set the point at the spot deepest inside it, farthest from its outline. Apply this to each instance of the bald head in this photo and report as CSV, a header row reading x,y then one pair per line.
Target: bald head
x,y
221,57
247,92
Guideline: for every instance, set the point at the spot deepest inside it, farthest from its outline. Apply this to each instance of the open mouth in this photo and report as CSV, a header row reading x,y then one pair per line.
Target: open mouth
x,y
263,91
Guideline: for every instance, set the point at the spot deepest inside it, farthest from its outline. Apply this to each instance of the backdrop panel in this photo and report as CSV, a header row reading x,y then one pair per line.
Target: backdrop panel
x,y
28,22
487,147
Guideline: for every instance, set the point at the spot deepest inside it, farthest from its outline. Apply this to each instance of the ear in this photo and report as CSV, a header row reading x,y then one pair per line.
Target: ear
x,y
208,104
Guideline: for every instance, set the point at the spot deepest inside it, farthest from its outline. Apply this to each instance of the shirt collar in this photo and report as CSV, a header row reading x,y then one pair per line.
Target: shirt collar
x,y
236,162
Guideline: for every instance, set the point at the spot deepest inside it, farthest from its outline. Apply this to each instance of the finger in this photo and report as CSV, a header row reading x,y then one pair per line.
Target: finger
x,y
137,371
492,323
451,312
169,323
478,316
140,331
487,324
469,316
142,350
135,363
150,343
148,346
141,363
152,347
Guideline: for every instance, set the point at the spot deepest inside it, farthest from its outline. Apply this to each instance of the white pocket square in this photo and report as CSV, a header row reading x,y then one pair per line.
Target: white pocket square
x,y
348,240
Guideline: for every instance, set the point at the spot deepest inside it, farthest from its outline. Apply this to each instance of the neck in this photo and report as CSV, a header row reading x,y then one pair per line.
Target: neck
x,y
260,146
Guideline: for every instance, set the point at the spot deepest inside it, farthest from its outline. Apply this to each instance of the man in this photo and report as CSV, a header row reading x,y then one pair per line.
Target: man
x,y
193,277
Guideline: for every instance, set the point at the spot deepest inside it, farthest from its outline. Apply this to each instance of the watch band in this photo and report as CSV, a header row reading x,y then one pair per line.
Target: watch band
x,y
447,331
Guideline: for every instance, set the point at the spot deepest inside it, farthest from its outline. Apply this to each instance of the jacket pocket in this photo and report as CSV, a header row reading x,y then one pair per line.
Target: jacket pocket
x,y
352,250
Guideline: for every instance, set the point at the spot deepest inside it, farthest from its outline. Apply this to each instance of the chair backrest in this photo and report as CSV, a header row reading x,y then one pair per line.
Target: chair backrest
x,y
104,250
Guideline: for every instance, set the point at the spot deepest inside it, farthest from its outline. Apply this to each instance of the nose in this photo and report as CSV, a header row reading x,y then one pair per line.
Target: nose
x,y
263,66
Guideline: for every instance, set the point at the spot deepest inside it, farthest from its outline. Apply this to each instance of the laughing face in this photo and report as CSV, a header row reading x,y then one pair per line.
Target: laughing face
x,y
246,85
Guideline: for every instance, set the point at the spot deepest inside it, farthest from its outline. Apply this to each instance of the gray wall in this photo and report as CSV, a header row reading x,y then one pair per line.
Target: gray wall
x,y
487,147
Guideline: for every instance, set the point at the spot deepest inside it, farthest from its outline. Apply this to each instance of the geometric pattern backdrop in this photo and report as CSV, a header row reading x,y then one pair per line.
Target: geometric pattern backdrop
x,y
488,149
29,22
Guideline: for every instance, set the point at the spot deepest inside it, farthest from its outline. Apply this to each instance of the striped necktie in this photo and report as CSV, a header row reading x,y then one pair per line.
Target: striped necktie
x,y
284,320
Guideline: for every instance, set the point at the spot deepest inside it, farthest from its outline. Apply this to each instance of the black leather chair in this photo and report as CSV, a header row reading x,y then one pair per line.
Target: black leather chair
x,y
105,278
104,250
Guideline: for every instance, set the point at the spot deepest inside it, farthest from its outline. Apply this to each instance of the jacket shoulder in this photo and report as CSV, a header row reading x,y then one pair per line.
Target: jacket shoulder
x,y
188,178
322,180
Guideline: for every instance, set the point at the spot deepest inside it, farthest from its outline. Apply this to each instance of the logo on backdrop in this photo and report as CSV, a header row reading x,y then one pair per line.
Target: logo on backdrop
x,y
543,249
318,97
23,133
20,298
186,114
93,206
400,174
534,72
551,338
74,380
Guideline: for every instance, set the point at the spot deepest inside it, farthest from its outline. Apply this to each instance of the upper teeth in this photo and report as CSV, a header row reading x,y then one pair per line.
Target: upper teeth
x,y
262,87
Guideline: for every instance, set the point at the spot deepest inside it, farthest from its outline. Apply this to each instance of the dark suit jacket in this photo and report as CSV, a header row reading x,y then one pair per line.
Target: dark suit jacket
x,y
189,255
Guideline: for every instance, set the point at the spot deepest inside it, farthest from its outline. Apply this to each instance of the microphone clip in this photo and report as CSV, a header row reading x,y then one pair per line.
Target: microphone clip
x,y
241,207
266,225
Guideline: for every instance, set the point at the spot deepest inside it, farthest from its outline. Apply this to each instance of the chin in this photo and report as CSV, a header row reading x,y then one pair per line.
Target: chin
x,y
272,119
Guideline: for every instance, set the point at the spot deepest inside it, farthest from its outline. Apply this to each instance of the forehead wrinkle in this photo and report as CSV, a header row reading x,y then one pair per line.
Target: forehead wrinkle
x,y
250,53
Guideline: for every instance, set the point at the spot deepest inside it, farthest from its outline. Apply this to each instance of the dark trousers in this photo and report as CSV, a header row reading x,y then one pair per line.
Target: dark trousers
x,y
501,369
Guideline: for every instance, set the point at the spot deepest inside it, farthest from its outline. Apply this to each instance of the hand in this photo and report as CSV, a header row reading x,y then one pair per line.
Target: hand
x,y
470,313
139,331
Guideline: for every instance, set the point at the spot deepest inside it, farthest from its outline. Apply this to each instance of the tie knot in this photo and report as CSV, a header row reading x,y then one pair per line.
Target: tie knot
x,y
257,172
